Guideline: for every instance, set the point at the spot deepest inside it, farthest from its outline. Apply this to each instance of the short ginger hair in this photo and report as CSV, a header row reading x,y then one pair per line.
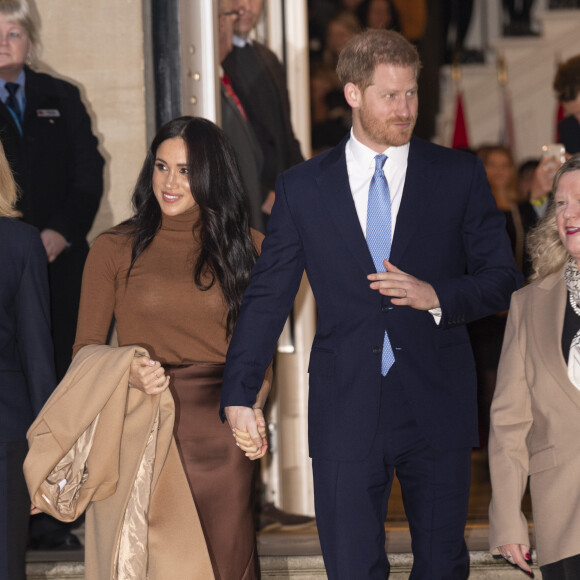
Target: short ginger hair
x,y
360,57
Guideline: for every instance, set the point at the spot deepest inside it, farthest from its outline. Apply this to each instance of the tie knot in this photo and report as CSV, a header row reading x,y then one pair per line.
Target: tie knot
x,y
12,88
380,161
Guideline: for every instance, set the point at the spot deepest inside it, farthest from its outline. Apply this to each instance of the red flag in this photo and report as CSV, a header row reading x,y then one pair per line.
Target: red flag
x,y
460,139
559,116
507,131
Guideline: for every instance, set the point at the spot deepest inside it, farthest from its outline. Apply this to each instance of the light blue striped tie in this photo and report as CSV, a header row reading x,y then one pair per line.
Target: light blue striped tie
x,y
379,237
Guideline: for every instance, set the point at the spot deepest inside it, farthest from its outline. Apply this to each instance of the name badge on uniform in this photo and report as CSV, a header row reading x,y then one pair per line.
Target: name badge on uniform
x,y
47,113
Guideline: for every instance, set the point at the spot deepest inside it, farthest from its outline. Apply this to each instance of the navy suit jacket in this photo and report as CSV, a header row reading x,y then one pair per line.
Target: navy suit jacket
x,y
280,147
249,156
26,359
449,233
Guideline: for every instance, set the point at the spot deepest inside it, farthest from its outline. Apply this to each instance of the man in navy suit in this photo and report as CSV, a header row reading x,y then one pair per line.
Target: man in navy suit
x,y
392,378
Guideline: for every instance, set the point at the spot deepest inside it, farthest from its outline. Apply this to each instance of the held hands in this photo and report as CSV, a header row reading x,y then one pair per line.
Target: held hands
x,y
54,243
517,555
249,430
404,289
147,375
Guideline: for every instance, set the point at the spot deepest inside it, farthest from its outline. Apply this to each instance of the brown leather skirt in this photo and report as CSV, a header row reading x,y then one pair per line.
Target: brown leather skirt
x,y
220,476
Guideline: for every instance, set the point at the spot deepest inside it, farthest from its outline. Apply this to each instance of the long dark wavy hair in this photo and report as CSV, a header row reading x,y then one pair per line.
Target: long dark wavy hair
x,y
227,251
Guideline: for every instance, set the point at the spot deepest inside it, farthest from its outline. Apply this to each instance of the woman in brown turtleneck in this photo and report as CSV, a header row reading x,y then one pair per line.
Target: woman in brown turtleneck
x,y
172,276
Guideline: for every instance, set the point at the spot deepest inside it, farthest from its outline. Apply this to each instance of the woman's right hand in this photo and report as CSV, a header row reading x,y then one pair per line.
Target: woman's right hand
x,y
147,375
518,555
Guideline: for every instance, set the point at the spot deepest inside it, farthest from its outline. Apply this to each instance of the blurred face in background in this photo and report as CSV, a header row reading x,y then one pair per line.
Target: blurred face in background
x,y
525,181
337,36
227,17
14,48
379,14
249,14
500,171
351,5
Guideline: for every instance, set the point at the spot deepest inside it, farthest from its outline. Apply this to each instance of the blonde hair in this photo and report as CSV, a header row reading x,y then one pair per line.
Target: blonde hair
x,y
547,253
545,247
8,188
21,12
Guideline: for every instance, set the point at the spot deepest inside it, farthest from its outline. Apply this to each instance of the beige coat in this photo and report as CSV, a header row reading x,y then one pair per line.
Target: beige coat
x,y
100,444
535,428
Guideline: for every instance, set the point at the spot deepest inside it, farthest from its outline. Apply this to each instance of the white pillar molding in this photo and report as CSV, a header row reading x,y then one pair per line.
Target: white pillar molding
x,y
199,59
289,477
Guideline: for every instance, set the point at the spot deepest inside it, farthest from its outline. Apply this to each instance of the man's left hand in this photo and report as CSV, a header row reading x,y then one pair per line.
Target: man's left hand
x,y
404,289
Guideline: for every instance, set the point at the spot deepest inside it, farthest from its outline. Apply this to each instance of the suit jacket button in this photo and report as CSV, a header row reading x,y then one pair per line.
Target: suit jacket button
x,y
377,350
385,308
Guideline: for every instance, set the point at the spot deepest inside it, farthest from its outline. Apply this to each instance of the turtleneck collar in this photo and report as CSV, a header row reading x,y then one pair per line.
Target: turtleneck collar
x,y
182,222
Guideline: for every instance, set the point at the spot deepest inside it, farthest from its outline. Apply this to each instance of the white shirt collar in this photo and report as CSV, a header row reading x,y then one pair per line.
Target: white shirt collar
x,y
241,42
21,80
365,157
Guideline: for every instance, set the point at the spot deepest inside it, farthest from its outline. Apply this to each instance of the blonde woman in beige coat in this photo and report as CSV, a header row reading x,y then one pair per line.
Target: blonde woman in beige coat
x,y
535,414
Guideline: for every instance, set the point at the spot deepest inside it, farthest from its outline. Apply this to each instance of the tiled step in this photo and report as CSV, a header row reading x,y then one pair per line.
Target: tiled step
x,y
296,556
483,567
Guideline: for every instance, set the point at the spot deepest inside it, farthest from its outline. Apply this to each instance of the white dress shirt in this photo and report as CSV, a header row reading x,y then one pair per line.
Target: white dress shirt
x,y
360,166
241,42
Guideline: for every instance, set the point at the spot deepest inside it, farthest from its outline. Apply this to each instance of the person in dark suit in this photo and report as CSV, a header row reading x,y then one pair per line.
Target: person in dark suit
x,y
235,122
47,137
392,376
26,366
259,80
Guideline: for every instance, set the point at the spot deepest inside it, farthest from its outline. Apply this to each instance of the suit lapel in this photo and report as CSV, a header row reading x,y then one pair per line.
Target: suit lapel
x,y
33,95
7,117
334,186
548,309
422,177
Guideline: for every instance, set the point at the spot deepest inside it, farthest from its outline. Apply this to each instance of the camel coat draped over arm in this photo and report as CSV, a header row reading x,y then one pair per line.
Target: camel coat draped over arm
x,y
102,446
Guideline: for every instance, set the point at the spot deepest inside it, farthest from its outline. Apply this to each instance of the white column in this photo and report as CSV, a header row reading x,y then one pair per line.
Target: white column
x,y
199,59
289,477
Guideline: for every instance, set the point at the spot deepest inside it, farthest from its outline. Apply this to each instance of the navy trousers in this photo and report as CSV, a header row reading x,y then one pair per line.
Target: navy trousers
x,y
351,500
14,510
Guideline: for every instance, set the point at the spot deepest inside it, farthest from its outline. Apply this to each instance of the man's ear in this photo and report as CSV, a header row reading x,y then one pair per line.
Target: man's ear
x,y
353,95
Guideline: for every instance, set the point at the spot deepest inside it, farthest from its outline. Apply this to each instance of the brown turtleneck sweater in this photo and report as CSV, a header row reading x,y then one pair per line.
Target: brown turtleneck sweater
x,y
160,308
